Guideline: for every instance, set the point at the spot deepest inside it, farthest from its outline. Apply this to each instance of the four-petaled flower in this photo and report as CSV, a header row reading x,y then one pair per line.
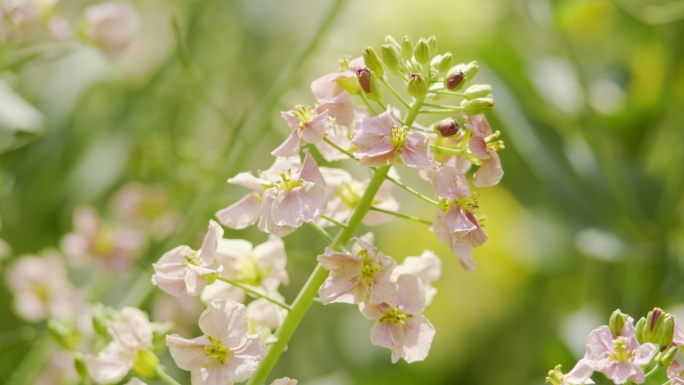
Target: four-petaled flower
x,y
490,171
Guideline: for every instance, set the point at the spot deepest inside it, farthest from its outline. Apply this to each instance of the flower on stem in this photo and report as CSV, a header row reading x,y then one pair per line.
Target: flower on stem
x,y
93,240
41,288
145,207
382,139
295,199
480,145
112,26
427,268
400,325
674,373
620,357
363,277
186,271
129,349
331,85
226,353
455,224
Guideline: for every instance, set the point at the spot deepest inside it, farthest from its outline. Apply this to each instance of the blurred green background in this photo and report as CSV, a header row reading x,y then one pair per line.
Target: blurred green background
x,y
588,217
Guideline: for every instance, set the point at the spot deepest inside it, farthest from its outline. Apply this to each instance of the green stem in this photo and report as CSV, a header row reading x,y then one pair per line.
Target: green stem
x,y
395,93
367,103
253,292
165,376
412,191
452,93
333,221
338,148
322,232
444,111
439,106
652,370
402,216
447,149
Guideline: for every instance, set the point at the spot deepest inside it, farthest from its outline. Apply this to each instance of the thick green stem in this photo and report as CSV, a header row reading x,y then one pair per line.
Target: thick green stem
x,y
253,292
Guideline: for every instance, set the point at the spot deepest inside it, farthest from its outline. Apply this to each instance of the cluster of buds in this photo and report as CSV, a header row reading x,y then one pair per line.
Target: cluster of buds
x,y
622,351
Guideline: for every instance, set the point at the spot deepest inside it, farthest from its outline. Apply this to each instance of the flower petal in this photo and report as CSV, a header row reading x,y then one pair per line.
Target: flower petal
x,y
245,360
490,171
418,336
290,146
226,321
242,213
189,354
342,265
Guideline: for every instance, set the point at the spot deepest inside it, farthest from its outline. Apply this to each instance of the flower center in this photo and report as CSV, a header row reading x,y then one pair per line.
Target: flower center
x,y
350,194
303,113
467,203
103,242
192,259
345,63
249,272
288,182
399,137
396,315
217,350
621,352
41,291
370,268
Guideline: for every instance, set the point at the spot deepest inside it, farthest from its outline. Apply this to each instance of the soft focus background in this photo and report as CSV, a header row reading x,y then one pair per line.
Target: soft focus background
x,y
588,217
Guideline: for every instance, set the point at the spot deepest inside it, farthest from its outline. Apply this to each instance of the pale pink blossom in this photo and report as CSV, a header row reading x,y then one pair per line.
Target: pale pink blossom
x,y
365,276
92,240
674,373
295,199
400,325
382,139
678,337
247,210
344,193
226,353
284,381
41,288
328,87
620,358
145,207
263,313
112,26
311,125
185,271
490,171
427,268
129,336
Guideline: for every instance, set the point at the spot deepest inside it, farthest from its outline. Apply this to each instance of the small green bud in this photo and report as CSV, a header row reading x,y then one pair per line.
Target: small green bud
x,y
617,320
372,61
478,106
470,70
407,48
478,91
61,333
369,83
454,79
422,52
391,58
668,356
639,330
447,127
389,39
417,86
145,363
80,365
444,62
432,43
658,328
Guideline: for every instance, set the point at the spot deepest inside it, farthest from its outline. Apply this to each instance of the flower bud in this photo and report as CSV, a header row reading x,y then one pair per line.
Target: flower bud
x,y
422,52
369,83
447,127
417,87
102,315
470,70
478,91
639,330
389,39
617,321
406,48
372,61
61,333
454,79
391,58
432,43
145,363
80,365
658,328
444,62
478,106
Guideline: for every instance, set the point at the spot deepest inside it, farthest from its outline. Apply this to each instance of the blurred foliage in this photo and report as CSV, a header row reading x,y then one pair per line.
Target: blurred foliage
x,y
588,218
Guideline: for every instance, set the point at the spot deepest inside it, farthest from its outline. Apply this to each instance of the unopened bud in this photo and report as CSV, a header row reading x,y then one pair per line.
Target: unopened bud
x,y
470,70
447,127
478,106
372,61
668,356
61,333
478,91
454,79
432,43
80,365
417,87
389,39
422,52
391,58
444,62
617,321
406,48
639,330
658,328
369,83
145,363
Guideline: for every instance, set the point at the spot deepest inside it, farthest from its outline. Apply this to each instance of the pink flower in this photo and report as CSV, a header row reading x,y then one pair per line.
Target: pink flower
x,y
620,358
674,371
226,353
311,126
186,271
427,268
490,171
41,288
112,26
399,325
328,87
295,199
247,210
382,139
341,138
145,207
455,224
93,240
357,278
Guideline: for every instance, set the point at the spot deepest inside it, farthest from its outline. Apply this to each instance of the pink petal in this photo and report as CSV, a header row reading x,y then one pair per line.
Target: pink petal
x,y
449,183
411,294
674,369
373,312
678,338
620,372
266,223
242,213
340,108
387,334
474,238
290,146
599,343
281,164
490,171
382,153
226,321
579,374
302,204
86,221
245,360
442,234
246,179
208,251
644,353
310,171
336,289
465,256
314,130
110,366
416,151
211,374
456,222
291,119
340,265
478,125
326,88
427,267
418,336
194,282
478,147
383,289
189,354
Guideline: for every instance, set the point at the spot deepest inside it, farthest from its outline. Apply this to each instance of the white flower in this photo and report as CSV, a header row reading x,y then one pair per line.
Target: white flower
x,y
427,268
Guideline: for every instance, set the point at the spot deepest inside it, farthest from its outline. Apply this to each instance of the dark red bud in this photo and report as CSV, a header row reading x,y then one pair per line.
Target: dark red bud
x,y
364,74
455,80
654,319
448,127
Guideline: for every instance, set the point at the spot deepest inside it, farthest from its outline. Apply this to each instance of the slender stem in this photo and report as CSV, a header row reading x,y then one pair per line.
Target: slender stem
x,y
165,376
439,106
333,221
444,111
367,103
382,108
447,149
338,148
322,232
445,92
402,216
652,370
254,292
404,102
412,191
